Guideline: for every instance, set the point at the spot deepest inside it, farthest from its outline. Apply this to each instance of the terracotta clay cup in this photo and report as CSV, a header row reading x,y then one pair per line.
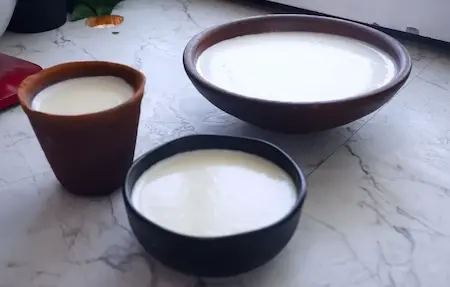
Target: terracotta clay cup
x,y
90,153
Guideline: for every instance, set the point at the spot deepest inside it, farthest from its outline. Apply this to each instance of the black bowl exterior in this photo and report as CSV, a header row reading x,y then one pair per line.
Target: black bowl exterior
x,y
296,117
216,256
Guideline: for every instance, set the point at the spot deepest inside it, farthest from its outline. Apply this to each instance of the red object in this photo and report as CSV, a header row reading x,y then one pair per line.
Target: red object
x,y
12,72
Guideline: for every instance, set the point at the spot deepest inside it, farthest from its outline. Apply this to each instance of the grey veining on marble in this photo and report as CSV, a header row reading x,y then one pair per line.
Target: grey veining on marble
x,y
377,212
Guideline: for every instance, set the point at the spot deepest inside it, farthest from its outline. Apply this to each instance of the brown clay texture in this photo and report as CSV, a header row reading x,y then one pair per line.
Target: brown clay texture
x,y
296,117
89,154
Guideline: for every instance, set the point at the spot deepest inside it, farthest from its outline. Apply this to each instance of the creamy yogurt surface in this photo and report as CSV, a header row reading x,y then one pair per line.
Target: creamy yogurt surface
x,y
296,66
211,193
83,95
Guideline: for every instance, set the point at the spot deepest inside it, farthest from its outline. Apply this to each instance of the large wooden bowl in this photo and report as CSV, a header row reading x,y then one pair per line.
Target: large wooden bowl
x,y
298,116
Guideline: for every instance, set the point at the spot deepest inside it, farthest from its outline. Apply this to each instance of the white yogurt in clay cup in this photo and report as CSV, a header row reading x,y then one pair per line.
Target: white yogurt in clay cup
x,y
85,95
85,116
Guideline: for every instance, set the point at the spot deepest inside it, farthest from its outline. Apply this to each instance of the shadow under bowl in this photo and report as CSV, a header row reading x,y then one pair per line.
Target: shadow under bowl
x,y
214,256
297,117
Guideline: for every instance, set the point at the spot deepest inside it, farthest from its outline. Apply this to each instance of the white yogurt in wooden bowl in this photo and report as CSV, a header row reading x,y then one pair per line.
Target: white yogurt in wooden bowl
x,y
296,66
83,95
296,73
214,193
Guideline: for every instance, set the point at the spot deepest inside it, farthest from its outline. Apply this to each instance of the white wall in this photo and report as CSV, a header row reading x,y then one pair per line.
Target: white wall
x,y
430,17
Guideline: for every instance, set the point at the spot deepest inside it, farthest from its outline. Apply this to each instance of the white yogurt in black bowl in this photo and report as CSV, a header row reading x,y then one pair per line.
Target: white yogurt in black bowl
x,y
214,206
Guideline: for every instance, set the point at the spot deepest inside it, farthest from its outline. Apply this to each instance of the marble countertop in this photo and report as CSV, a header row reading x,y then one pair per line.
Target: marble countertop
x,y
379,189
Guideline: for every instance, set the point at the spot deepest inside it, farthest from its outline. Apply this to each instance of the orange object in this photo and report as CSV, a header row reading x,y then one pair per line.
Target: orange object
x,y
107,21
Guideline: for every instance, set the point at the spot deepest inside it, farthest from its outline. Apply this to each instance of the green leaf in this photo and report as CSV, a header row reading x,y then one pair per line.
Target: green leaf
x,y
104,10
88,8
81,11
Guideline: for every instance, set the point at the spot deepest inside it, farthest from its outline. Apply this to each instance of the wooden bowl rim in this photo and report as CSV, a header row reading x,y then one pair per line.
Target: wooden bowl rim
x,y
193,50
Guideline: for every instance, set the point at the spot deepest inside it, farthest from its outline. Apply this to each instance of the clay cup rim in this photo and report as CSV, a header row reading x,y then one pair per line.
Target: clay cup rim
x,y
33,84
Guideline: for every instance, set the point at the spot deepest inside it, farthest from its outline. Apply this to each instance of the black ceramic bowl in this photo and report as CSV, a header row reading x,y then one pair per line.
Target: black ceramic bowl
x,y
214,256
296,116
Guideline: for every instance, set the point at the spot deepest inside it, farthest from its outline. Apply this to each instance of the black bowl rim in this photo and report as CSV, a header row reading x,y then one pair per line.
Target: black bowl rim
x,y
301,190
190,63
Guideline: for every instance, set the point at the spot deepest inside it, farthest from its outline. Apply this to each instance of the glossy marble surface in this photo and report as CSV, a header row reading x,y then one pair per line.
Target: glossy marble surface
x,y
377,212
